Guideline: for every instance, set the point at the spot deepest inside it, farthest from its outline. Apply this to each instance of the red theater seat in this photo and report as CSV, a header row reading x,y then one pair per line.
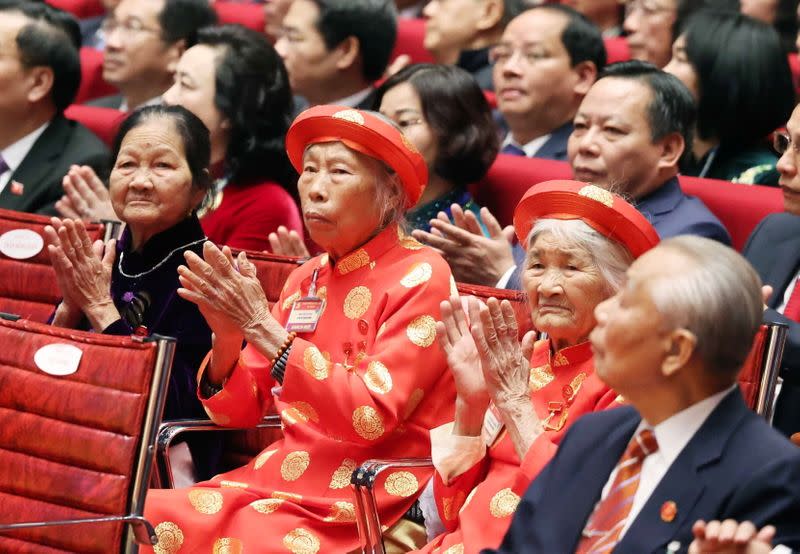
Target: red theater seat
x,y
247,15
410,36
617,50
794,65
103,122
92,83
79,8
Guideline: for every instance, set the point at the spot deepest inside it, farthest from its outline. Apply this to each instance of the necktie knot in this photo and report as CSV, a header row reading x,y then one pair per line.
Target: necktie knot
x,y
642,445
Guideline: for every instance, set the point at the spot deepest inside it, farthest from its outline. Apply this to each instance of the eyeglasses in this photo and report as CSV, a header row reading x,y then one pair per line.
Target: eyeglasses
x,y
502,53
781,142
648,7
129,27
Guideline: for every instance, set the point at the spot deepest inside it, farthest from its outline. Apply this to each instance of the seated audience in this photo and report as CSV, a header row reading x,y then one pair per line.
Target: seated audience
x,y
462,31
606,14
733,64
637,478
274,12
335,49
544,64
40,78
92,35
144,41
235,82
515,402
344,374
157,183
774,250
631,131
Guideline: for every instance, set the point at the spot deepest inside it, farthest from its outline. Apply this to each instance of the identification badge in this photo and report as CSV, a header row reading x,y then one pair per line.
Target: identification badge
x,y
492,425
305,315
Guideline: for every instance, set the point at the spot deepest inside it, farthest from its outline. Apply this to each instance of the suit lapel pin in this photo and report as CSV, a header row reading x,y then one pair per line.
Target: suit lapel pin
x,y
668,511
17,188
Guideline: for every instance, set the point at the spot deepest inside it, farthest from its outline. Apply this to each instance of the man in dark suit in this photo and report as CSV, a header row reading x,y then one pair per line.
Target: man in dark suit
x,y
39,76
544,64
636,479
774,250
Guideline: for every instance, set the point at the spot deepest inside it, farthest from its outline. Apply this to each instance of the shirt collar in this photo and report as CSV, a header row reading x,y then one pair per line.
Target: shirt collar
x,y
530,148
354,99
15,153
370,251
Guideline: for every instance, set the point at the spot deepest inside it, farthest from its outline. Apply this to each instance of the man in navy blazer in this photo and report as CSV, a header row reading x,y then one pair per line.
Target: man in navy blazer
x,y
671,343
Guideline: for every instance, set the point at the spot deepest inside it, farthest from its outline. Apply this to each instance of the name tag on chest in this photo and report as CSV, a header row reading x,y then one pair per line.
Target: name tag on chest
x,y
305,315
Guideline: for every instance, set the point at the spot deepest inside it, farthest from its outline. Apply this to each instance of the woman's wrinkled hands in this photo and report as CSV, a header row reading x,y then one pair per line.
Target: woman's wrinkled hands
x,y
83,269
85,196
504,360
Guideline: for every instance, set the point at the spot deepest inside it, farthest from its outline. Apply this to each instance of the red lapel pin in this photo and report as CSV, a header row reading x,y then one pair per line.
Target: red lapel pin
x,y
17,188
668,511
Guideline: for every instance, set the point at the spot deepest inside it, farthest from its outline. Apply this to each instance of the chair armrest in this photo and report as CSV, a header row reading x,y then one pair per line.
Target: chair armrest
x,y
366,474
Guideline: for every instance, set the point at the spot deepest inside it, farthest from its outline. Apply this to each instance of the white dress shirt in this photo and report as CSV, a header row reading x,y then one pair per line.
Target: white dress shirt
x,y
15,153
672,435
530,148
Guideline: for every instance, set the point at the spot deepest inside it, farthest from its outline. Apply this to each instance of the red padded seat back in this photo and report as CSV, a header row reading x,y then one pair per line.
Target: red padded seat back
x,y
103,122
750,374
617,49
28,287
92,83
79,8
273,270
68,445
519,301
410,37
246,15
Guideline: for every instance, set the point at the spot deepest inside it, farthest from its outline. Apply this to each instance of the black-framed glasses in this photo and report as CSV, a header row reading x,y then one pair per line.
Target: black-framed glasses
x,y
782,141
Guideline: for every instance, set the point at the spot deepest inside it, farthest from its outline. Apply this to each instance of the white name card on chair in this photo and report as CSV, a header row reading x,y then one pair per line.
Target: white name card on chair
x,y
21,244
58,359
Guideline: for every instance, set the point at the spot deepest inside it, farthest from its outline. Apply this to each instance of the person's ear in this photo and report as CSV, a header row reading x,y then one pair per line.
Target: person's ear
x,y
347,52
681,346
490,14
173,55
40,82
672,147
586,73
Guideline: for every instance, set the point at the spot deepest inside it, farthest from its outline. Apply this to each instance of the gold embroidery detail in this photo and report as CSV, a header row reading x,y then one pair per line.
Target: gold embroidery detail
x,y
322,293
266,505
288,302
540,377
315,363
349,263
170,538
413,401
378,378
504,503
422,331
452,504
357,302
367,422
233,484
290,496
323,260
620,399
407,241
341,477
294,465
597,194
420,273
301,541
353,116
401,483
205,502
228,545
560,360
381,330
455,549
262,458
342,512
298,412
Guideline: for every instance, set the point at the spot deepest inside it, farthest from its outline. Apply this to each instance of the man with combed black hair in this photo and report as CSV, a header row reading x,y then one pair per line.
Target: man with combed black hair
x,y
40,74
334,50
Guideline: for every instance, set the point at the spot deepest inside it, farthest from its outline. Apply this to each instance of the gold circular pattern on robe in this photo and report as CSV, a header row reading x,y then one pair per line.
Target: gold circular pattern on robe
x,y
504,503
357,301
455,549
266,505
205,502
341,477
343,512
540,377
401,483
413,401
301,541
407,241
262,458
170,538
598,194
420,273
378,378
294,465
228,545
452,505
356,260
289,300
367,422
350,115
324,259
315,363
233,484
300,412
422,331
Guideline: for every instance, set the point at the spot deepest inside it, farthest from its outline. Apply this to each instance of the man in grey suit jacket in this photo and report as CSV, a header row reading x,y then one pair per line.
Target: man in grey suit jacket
x,y
37,144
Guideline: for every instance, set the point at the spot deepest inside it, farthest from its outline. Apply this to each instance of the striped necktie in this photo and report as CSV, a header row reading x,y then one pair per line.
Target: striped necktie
x,y
602,531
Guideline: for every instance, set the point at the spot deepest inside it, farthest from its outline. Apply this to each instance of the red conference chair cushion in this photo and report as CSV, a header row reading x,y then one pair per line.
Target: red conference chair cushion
x,y
103,122
92,83
410,37
79,8
617,50
246,15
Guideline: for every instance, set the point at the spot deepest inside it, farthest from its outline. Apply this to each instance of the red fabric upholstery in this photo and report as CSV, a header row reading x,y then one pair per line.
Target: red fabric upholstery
x,y
79,8
28,287
103,122
518,301
617,50
410,36
92,83
794,65
739,207
68,445
750,375
273,270
247,15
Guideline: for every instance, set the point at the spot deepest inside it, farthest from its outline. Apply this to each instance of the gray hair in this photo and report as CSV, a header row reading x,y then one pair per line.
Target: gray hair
x,y
609,256
391,198
716,296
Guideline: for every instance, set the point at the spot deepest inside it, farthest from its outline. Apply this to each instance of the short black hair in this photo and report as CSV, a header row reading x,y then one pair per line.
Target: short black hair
x,y
744,81
459,115
252,92
193,132
181,19
51,39
582,39
672,108
372,22
511,9
686,8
